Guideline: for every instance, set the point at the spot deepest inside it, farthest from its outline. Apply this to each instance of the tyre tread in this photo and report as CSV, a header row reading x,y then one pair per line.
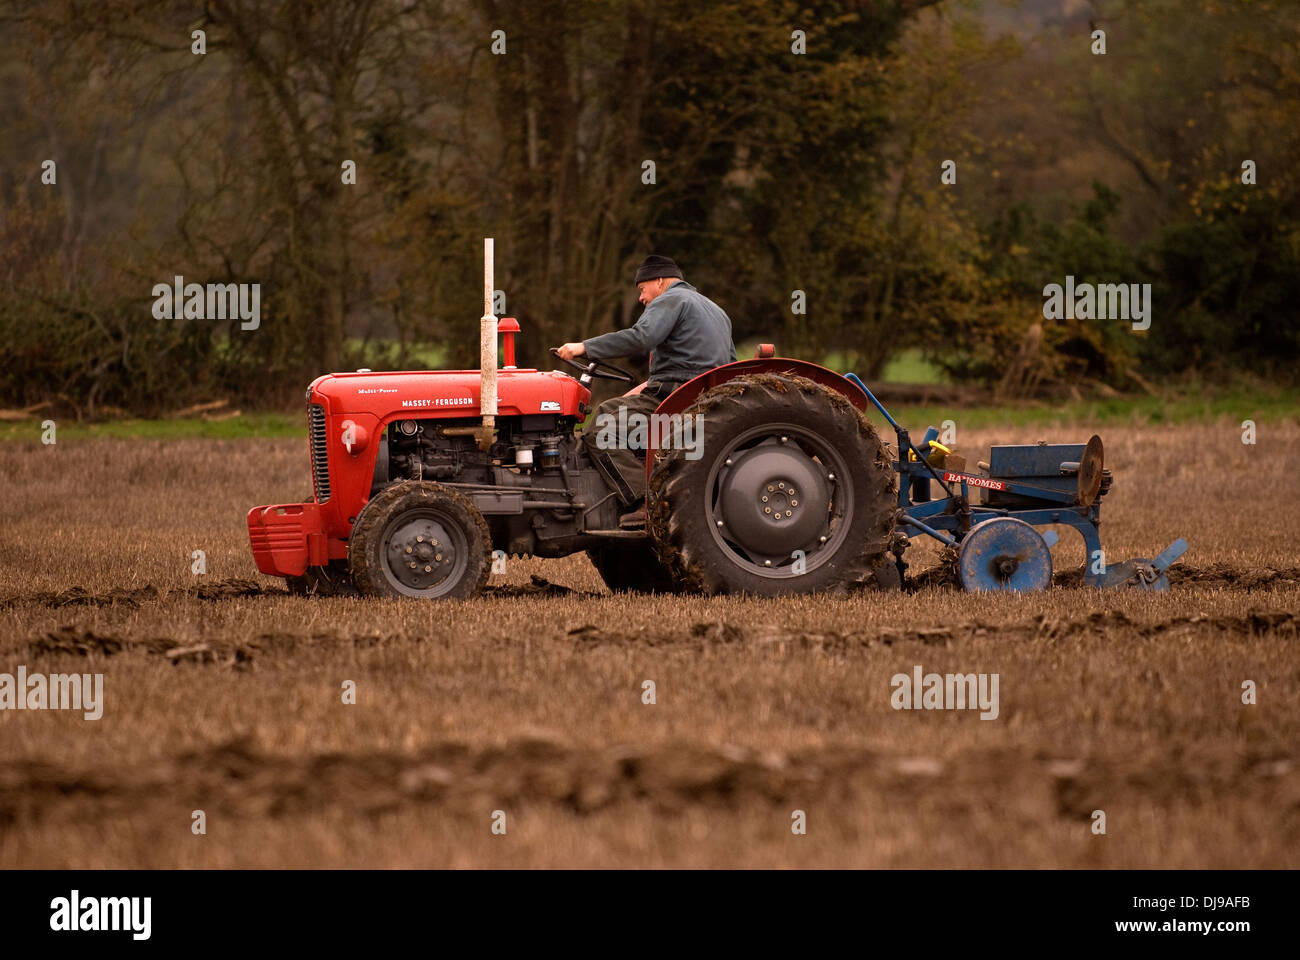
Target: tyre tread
x,y
755,397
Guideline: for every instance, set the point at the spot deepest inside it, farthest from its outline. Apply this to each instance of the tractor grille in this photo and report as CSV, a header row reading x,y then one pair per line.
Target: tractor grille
x,y
320,468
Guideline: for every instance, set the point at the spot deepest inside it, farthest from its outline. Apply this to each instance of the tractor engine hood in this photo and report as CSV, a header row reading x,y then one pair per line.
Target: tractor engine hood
x,y
422,394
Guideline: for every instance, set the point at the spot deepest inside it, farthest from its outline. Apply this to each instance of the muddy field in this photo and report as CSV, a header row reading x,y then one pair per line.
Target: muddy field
x,y
223,694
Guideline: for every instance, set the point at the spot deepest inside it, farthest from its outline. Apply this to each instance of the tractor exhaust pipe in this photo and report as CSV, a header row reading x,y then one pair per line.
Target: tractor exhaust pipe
x,y
485,433
487,352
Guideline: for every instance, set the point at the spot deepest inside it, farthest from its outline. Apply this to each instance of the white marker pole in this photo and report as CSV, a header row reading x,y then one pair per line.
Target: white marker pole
x,y
487,350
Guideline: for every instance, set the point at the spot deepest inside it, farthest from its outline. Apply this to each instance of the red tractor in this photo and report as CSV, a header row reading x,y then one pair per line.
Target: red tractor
x,y
419,477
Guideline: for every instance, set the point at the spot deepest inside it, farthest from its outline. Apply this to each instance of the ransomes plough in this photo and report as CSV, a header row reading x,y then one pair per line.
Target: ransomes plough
x,y
989,517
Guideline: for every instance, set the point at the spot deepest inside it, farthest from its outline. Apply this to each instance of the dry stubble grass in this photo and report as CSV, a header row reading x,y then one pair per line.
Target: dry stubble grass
x,y
763,707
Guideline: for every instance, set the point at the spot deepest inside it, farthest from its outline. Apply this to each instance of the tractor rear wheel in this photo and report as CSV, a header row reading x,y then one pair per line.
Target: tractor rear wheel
x,y
793,492
420,539
633,566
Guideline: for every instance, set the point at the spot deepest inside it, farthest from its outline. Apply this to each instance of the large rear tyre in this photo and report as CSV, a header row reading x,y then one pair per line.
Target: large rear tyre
x,y
420,539
634,567
793,492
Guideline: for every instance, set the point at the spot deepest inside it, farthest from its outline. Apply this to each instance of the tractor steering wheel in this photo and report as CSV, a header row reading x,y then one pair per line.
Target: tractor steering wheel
x,y
607,372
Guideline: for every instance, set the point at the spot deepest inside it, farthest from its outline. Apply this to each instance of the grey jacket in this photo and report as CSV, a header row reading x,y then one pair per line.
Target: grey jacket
x,y
688,333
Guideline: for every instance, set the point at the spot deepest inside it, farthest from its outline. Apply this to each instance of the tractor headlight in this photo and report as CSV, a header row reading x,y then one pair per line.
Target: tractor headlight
x,y
354,437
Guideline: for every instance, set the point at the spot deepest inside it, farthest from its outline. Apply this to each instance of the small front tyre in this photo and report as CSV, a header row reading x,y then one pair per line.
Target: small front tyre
x,y
420,539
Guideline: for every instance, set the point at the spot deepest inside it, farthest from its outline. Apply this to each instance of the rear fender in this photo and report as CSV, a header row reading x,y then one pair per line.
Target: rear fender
x,y
685,395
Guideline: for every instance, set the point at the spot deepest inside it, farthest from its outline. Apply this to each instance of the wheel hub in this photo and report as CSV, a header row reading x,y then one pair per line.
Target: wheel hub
x,y
1004,553
420,553
773,499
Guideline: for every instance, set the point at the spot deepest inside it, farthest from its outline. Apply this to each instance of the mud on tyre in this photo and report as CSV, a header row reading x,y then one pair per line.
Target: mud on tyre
x,y
793,492
420,539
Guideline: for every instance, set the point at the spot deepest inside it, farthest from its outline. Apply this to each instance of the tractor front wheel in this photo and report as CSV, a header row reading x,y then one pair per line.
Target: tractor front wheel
x,y
420,539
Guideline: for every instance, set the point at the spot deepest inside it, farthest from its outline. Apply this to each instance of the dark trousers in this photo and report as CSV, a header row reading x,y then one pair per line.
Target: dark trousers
x,y
627,460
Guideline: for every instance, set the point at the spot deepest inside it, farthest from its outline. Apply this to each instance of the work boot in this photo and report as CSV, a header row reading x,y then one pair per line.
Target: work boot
x,y
634,520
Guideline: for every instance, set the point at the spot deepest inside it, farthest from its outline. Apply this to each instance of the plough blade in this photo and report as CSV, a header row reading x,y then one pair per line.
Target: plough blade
x,y
1142,573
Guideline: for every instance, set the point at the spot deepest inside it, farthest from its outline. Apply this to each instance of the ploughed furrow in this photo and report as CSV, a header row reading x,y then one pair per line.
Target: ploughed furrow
x,y
940,576
279,646
233,780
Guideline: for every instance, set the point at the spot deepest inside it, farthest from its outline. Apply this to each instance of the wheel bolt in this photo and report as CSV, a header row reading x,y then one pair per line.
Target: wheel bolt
x,y
765,498
770,488
787,513
781,485
438,557
767,563
428,569
767,509
794,503
408,549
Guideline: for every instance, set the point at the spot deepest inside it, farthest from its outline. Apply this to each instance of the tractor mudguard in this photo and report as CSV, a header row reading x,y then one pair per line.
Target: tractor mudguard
x,y
688,392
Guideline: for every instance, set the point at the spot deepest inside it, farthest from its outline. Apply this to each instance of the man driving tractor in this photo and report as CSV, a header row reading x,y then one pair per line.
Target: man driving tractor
x,y
685,333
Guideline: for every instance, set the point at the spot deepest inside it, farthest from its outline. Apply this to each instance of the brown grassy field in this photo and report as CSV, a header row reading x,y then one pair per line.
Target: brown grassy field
x,y
222,693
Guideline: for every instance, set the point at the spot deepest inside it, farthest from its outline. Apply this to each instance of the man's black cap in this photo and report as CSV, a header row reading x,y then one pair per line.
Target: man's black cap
x,y
654,266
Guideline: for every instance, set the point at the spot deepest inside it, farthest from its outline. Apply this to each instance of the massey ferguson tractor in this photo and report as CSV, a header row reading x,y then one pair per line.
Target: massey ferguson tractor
x,y
420,477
